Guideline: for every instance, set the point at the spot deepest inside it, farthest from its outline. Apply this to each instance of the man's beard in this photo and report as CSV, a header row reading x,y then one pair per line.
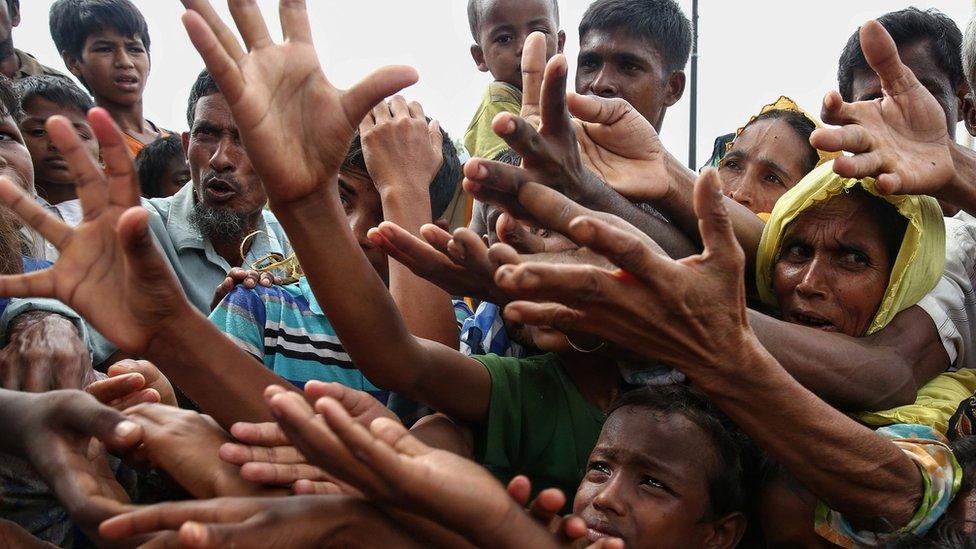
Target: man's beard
x,y
218,223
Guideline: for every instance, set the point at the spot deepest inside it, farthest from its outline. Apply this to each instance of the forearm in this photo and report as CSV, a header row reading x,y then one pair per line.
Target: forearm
x,y
223,380
427,310
675,243
961,190
854,471
857,374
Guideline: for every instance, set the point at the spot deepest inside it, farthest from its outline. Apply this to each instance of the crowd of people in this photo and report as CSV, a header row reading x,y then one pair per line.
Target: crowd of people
x,y
306,321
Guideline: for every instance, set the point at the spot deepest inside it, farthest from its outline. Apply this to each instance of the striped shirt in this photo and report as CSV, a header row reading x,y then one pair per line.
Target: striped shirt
x,y
284,327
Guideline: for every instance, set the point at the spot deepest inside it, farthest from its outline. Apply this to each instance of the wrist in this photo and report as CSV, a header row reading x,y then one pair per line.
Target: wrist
x,y
742,360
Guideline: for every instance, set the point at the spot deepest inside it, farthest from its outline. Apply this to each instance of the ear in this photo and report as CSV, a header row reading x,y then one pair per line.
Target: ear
x,y
73,64
479,57
561,36
963,97
185,138
726,531
15,13
969,114
675,88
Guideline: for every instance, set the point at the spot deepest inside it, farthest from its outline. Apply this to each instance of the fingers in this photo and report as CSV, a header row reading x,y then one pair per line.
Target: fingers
x,y
88,177
436,137
141,253
170,516
222,33
547,505
520,136
214,47
836,111
553,315
120,170
241,454
295,26
571,285
398,107
85,415
50,227
551,208
469,250
518,236
868,164
502,254
881,54
852,138
316,488
520,489
407,249
250,23
597,110
280,474
361,98
108,390
889,183
533,68
357,403
624,249
259,434
555,116
714,224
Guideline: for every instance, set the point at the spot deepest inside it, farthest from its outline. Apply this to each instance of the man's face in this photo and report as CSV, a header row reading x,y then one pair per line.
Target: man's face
x,y
920,58
364,210
219,167
9,18
15,160
49,166
505,24
614,63
114,67
647,481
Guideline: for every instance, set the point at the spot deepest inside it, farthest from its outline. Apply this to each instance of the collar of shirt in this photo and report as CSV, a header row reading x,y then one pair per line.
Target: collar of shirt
x,y
30,66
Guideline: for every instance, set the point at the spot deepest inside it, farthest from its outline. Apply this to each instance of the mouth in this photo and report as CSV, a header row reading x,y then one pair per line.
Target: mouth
x,y
127,82
812,320
56,163
600,530
219,190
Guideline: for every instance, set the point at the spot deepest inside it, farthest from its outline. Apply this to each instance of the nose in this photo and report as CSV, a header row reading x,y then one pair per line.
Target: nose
x,y
610,499
123,59
225,157
813,280
741,192
603,84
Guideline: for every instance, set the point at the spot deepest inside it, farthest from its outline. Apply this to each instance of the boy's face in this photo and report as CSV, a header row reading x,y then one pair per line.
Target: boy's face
x,y
114,67
647,481
15,160
505,24
174,176
364,210
49,166
615,63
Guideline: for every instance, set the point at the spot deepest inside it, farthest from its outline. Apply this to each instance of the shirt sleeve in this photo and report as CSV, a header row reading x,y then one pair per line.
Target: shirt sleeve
x,y
498,442
242,316
941,478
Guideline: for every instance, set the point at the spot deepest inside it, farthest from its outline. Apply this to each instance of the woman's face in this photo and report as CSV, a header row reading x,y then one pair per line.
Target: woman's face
x,y
834,266
766,160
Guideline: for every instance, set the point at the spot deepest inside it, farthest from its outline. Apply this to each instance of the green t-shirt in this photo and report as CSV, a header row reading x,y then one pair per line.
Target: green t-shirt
x,y
539,425
479,139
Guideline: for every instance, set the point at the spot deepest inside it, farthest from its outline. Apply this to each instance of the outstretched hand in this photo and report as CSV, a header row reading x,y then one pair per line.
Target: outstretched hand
x,y
109,270
900,139
295,124
685,313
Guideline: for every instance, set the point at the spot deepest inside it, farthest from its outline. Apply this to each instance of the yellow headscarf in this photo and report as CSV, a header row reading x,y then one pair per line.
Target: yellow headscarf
x,y
786,104
921,258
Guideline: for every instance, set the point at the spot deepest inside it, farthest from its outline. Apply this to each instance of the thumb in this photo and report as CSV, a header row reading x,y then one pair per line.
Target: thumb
x,y
87,416
140,251
597,110
881,54
398,437
377,86
714,223
520,489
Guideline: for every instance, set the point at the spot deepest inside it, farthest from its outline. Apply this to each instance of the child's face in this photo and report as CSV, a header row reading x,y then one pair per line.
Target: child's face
x,y
647,481
49,166
614,63
504,26
174,177
15,160
364,210
114,67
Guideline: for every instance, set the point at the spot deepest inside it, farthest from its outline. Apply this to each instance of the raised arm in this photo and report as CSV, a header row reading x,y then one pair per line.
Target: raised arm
x,y
706,334
271,90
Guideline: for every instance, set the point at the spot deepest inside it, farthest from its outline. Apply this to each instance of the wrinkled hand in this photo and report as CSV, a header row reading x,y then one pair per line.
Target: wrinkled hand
x,y
294,123
900,139
249,278
686,313
402,150
620,146
44,352
110,270
54,431
185,444
461,265
301,521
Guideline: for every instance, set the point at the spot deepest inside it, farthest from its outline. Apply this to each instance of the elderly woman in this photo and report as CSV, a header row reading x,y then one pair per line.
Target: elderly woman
x,y
770,155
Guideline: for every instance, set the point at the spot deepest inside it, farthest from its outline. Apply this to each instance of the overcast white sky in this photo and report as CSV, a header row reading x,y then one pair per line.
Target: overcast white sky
x,y
750,53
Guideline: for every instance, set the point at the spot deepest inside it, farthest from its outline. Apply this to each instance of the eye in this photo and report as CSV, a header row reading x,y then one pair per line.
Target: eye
x,y
7,136
796,252
204,132
503,39
85,136
629,67
346,203
774,179
731,164
598,471
855,258
36,132
654,483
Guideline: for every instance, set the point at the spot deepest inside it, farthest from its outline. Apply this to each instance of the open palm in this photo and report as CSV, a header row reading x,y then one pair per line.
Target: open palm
x,y
295,124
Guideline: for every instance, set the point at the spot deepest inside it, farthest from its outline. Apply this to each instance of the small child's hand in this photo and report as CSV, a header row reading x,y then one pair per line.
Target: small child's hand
x,y
402,150
249,278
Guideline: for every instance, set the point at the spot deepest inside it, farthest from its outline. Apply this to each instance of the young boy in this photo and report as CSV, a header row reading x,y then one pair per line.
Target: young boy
x,y
105,44
499,29
43,97
284,326
162,167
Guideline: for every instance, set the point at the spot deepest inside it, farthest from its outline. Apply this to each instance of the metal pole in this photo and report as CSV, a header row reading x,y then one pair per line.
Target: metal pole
x,y
693,125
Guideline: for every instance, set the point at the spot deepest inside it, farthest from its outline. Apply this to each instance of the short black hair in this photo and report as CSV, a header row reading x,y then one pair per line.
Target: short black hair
x,y
442,187
73,21
803,127
906,27
9,102
54,89
659,22
152,160
727,490
475,7
205,85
